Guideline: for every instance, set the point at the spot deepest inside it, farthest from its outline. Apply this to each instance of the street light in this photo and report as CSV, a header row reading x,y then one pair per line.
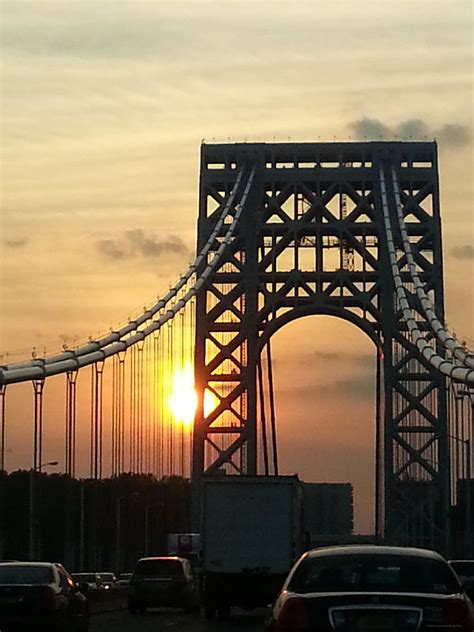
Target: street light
x,y
32,550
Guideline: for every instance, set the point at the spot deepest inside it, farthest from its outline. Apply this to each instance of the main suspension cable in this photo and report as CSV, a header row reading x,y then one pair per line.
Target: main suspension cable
x,y
132,334
445,338
447,367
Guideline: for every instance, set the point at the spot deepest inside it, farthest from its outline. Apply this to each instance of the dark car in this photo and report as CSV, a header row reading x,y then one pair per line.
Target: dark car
x,y
124,580
465,571
91,579
40,596
107,581
161,581
376,588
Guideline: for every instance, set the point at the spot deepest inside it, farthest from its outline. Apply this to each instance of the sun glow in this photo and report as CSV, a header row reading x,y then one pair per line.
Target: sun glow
x,y
183,396
183,400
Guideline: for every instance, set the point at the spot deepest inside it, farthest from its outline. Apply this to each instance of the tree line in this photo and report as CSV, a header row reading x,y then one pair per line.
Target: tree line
x,y
87,524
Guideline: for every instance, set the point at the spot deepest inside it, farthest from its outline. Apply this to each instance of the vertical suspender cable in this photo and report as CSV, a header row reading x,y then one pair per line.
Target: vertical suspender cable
x,y
67,429
96,422
146,415
121,384
132,409
155,404
162,429
92,457
140,408
263,419
70,430
149,402
183,421
98,418
272,409
73,399
38,423
378,439
3,396
192,329
114,442
169,365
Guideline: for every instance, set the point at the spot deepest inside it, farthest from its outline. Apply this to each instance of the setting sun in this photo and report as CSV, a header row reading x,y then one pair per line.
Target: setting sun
x,y
183,400
183,396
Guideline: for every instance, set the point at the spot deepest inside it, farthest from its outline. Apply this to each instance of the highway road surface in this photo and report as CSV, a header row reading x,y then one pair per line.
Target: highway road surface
x,y
174,621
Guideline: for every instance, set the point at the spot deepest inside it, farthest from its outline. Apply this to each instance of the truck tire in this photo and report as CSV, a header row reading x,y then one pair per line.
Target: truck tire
x,y
209,612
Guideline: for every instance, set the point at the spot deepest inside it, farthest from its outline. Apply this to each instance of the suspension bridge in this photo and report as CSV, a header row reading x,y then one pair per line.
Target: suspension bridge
x,y
285,230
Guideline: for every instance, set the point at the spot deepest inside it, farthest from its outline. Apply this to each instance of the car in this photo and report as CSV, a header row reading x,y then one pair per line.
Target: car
x,y
465,571
124,580
162,581
107,581
370,587
91,579
40,596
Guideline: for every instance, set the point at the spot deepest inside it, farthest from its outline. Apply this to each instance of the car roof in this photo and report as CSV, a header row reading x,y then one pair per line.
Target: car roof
x,y
374,549
35,564
163,558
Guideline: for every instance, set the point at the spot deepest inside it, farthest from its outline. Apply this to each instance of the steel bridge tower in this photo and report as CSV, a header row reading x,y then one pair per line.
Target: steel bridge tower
x,y
311,240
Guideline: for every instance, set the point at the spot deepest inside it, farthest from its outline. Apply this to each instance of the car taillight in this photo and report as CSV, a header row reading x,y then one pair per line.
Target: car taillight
x,y
293,616
456,612
46,599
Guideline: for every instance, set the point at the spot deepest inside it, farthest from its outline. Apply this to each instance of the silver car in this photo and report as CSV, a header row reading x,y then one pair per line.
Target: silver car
x,y
376,588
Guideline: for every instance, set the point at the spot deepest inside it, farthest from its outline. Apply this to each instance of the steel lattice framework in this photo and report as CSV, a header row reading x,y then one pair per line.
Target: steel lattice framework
x,y
311,240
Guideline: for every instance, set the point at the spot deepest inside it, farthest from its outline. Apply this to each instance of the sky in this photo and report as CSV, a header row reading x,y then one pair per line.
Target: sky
x,y
104,106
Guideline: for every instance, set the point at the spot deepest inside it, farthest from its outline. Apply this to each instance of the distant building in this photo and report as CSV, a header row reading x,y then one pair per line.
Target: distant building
x,y
328,510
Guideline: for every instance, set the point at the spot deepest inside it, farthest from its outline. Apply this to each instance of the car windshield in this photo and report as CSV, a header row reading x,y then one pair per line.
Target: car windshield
x,y
159,568
106,577
464,568
382,573
84,577
17,574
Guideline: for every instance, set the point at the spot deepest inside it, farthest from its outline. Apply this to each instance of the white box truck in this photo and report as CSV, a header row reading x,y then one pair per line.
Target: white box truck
x,y
251,535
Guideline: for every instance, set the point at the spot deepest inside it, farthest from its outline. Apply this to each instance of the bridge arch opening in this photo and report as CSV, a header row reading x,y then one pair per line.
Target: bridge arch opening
x,y
324,372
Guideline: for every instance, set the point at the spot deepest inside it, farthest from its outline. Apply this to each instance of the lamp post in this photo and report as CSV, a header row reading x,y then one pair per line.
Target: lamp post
x,y
31,530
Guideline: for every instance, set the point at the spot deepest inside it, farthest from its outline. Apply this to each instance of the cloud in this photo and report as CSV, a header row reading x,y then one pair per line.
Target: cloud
x,y
371,129
454,135
136,242
412,128
463,252
16,242
359,386
149,246
110,249
449,135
